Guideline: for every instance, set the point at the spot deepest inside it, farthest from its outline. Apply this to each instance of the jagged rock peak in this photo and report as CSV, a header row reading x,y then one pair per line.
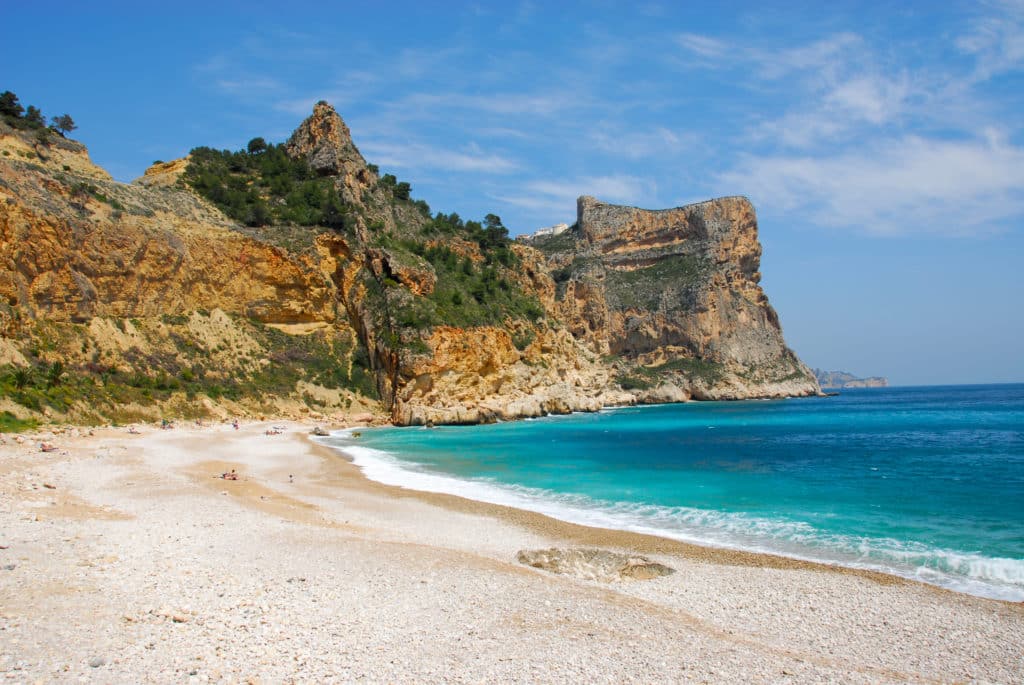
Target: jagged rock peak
x,y
325,141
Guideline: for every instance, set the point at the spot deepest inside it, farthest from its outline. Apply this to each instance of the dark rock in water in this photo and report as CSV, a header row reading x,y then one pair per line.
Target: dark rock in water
x,y
593,564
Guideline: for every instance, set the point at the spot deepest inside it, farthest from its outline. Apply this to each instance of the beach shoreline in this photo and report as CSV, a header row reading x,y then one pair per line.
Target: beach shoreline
x,y
136,532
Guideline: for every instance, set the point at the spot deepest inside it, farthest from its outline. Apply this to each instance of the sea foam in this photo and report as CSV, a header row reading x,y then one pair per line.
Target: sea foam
x,y
975,574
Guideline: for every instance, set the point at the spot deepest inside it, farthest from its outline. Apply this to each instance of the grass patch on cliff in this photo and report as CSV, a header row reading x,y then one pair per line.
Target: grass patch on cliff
x,y
694,370
467,292
671,280
9,423
174,364
318,358
83,189
633,381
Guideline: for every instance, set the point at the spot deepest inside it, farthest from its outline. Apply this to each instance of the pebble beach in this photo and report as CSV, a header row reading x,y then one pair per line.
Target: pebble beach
x,y
127,558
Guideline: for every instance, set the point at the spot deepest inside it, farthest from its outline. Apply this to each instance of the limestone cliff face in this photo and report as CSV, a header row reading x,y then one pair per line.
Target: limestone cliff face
x,y
478,375
676,291
634,305
324,140
68,255
163,174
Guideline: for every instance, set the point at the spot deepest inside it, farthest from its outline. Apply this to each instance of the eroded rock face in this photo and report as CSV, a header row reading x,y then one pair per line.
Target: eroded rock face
x,y
69,256
478,375
641,306
163,174
594,564
325,141
676,290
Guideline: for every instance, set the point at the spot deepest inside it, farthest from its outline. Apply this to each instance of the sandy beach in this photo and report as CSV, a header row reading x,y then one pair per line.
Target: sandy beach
x,y
126,558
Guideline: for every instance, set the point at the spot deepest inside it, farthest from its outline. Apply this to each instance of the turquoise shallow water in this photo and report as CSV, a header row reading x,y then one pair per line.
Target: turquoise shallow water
x,y
923,482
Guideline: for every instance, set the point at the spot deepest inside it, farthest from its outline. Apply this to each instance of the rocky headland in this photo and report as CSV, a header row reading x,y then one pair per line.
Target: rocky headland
x,y
211,287
837,380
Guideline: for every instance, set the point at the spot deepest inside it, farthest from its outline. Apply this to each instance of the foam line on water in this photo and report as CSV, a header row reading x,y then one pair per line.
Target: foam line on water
x,y
960,571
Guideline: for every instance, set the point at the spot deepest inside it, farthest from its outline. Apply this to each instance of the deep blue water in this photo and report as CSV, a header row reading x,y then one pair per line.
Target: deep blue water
x,y
925,482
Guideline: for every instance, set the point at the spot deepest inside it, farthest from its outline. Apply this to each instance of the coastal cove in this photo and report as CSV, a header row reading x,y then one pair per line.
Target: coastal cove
x,y
127,559
523,343
924,483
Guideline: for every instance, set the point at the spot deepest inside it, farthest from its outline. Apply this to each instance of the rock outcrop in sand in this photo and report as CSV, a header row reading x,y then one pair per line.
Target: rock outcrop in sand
x,y
594,564
629,305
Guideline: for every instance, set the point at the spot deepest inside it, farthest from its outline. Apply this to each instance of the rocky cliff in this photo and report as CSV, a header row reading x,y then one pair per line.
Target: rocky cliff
x,y
837,380
449,321
675,292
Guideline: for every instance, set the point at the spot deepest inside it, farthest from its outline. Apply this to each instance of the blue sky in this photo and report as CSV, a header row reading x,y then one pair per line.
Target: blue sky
x,y
882,147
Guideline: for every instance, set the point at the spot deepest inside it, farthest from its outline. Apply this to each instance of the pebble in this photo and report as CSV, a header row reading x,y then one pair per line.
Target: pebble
x,y
97,661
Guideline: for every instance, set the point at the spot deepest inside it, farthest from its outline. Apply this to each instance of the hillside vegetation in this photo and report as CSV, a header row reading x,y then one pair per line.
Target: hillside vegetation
x,y
297,278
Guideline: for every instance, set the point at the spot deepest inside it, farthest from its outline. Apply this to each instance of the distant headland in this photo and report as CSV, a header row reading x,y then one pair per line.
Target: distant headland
x,y
838,380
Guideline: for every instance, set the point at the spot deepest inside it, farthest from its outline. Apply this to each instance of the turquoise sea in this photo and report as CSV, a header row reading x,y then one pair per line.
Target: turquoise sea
x,y
923,482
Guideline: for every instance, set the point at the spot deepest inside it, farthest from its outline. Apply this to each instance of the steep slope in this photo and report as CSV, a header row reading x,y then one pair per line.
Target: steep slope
x,y
146,295
675,291
337,276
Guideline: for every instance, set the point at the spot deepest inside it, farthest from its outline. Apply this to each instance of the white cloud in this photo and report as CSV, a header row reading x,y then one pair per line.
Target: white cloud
x,y
300,106
413,63
821,57
559,196
261,85
842,109
421,156
640,144
550,201
496,103
702,46
617,188
869,97
303,106
996,40
902,186
548,207
504,132
827,88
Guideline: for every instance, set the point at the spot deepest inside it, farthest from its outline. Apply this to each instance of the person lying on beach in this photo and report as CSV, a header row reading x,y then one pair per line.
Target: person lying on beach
x,y
272,431
229,475
133,430
47,447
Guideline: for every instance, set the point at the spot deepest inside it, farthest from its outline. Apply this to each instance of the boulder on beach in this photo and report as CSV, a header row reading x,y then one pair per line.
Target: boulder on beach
x,y
594,564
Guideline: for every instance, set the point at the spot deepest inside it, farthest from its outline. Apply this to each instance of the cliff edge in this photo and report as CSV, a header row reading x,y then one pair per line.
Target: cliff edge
x,y
676,293
233,281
